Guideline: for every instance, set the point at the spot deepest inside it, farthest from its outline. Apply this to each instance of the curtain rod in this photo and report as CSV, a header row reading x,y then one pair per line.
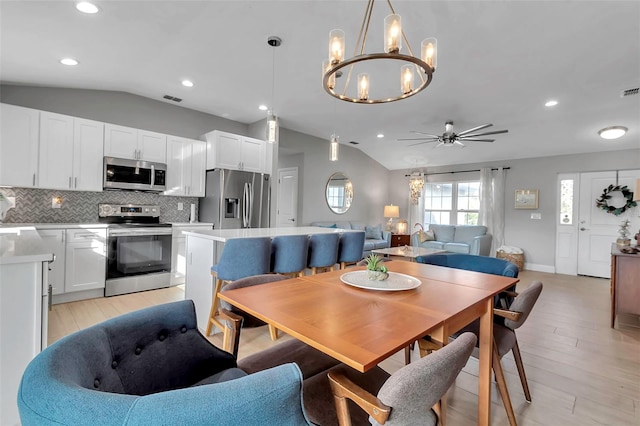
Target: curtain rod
x,y
459,171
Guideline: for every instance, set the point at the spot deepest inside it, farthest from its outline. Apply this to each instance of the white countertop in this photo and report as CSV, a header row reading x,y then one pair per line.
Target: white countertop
x,y
204,224
55,225
22,245
222,235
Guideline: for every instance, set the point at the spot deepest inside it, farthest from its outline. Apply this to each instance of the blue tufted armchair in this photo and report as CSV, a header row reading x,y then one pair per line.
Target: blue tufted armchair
x,y
153,366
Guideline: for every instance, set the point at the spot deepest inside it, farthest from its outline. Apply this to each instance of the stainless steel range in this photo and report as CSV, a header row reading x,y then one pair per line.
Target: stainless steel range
x,y
138,248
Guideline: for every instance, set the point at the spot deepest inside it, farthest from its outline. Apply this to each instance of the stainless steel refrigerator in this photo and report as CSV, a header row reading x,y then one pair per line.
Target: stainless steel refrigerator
x,y
235,199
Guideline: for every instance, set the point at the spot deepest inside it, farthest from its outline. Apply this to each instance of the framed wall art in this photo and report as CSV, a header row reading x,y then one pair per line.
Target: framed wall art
x,y
526,199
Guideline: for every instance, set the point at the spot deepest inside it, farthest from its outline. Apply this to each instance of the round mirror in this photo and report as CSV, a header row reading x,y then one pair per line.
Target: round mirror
x,y
339,193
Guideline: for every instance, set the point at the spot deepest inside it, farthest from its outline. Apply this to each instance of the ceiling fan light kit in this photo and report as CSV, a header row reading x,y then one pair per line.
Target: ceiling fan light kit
x,y
423,66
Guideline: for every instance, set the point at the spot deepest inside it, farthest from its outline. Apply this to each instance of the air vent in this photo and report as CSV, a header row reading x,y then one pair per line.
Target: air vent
x,y
172,98
629,92
354,143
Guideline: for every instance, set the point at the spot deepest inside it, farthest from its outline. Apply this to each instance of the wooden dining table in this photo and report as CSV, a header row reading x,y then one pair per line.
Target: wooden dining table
x,y
362,327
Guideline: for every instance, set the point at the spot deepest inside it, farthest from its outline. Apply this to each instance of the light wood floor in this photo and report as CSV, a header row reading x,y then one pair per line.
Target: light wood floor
x,y
580,371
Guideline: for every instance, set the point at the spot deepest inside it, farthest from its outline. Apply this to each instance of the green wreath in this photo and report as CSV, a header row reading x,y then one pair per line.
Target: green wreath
x,y
603,203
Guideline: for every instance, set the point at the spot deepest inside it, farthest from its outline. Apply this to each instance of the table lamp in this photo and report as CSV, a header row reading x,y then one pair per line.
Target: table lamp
x,y
391,211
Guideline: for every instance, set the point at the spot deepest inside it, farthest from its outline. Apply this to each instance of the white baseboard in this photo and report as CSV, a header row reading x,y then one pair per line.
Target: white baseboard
x,y
540,268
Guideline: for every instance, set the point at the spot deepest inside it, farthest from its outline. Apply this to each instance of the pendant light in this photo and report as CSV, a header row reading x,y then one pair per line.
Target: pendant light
x,y
334,143
272,119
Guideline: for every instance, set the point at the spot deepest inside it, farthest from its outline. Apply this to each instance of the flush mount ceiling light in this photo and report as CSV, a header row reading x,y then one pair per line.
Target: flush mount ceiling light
x,y
263,107
86,7
551,103
378,63
68,61
187,83
613,132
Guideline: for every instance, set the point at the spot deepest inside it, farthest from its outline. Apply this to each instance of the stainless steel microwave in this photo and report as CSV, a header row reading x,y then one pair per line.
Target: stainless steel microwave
x,y
122,173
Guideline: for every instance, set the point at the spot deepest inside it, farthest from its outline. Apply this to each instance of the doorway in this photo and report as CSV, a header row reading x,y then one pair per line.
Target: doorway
x,y
287,202
584,231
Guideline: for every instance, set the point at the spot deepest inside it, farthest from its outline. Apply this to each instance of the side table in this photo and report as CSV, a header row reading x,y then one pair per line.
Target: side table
x,y
399,240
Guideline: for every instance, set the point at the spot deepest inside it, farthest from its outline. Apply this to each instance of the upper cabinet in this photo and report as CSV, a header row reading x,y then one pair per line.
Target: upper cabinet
x,y
134,144
70,153
19,129
235,152
186,159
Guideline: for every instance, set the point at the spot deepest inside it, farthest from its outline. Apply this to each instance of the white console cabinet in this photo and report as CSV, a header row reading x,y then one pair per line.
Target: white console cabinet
x,y
235,152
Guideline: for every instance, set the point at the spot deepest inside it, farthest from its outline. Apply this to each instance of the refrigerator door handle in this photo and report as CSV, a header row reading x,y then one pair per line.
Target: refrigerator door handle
x,y
245,205
250,209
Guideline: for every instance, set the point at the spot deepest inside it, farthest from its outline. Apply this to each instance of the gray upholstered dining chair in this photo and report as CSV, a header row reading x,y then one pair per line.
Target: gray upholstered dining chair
x,y
505,340
410,396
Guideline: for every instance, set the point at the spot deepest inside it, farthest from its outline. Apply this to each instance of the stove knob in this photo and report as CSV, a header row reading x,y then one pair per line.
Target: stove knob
x,y
146,210
107,210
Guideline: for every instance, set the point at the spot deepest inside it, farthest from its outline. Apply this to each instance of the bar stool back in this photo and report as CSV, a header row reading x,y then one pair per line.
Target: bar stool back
x,y
323,252
350,248
240,258
289,255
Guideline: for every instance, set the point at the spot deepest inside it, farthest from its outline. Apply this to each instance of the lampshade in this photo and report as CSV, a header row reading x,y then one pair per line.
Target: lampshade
x,y
391,211
636,191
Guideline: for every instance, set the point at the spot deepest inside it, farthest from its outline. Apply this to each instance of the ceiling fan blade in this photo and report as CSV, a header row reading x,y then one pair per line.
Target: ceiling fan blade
x,y
418,139
439,145
483,126
460,144
426,134
496,132
420,143
476,140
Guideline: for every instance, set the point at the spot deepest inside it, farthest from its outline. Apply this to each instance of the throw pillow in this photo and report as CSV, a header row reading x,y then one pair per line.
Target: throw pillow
x,y
328,226
426,236
373,232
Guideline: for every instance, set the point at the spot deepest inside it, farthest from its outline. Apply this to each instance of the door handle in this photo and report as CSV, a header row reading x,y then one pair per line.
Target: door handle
x,y
50,294
584,229
70,187
75,183
292,220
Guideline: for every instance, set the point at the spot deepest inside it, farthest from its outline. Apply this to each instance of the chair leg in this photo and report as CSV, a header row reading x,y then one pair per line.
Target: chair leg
x,y
273,332
214,309
502,386
523,378
343,265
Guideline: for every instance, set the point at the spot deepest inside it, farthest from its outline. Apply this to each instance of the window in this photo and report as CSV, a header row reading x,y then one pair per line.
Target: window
x,y
456,203
566,201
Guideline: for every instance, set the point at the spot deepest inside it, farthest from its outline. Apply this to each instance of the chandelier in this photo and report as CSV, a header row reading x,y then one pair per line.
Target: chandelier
x,y
416,183
423,66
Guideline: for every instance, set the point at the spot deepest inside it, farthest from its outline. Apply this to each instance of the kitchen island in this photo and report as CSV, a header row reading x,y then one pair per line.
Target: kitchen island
x,y
204,248
24,261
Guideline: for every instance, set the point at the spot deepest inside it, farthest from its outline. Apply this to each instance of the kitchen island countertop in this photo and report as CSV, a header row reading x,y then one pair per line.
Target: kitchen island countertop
x,y
222,235
22,245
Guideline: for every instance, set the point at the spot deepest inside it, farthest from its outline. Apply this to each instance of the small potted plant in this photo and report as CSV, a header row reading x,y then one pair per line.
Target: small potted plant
x,y
376,271
623,240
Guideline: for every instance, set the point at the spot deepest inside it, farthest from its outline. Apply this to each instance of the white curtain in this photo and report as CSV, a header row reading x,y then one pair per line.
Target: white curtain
x,y
492,204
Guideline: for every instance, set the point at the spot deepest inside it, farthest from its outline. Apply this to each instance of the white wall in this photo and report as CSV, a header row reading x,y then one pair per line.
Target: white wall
x,y
535,237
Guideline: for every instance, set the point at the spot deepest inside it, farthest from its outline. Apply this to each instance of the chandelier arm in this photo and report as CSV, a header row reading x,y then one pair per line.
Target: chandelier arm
x,y
364,29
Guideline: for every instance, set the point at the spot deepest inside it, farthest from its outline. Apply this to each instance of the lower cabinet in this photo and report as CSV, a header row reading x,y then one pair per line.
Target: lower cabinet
x,y
85,259
201,255
179,250
54,239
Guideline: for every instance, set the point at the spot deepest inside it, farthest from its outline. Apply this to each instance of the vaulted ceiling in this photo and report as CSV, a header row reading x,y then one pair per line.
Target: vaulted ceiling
x,y
498,62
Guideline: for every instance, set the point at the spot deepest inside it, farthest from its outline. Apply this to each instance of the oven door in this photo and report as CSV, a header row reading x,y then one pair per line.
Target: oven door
x,y
137,252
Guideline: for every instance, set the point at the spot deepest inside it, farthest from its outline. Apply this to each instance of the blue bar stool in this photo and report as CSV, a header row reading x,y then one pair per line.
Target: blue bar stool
x,y
350,248
289,255
323,252
240,258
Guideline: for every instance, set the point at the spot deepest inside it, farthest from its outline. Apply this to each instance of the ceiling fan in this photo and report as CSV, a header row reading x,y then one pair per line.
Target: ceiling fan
x,y
450,138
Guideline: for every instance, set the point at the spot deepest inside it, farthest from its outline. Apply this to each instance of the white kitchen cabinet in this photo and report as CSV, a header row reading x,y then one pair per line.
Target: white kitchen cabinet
x,y
134,144
179,250
70,153
235,152
85,259
54,240
186,159
19,130
201,255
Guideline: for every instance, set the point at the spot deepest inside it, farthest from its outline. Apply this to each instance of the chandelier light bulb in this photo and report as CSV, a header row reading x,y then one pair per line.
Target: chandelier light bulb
x,y
326,65
430,51
336,46
406,78
393,34
363,86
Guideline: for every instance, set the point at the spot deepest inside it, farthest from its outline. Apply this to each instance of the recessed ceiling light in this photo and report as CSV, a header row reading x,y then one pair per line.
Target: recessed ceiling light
x,y
380,136
613,132
551,103
68,61
263,107
86,7
187,83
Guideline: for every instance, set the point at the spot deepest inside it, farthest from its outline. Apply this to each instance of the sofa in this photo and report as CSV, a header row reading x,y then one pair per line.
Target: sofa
x,y
466,239
375,236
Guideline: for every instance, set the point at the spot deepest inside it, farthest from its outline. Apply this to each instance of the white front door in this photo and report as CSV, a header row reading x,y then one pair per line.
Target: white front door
x,y
597,229
287,203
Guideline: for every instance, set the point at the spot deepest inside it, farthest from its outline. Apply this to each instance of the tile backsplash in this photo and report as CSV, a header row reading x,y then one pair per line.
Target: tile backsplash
x,y
34,205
